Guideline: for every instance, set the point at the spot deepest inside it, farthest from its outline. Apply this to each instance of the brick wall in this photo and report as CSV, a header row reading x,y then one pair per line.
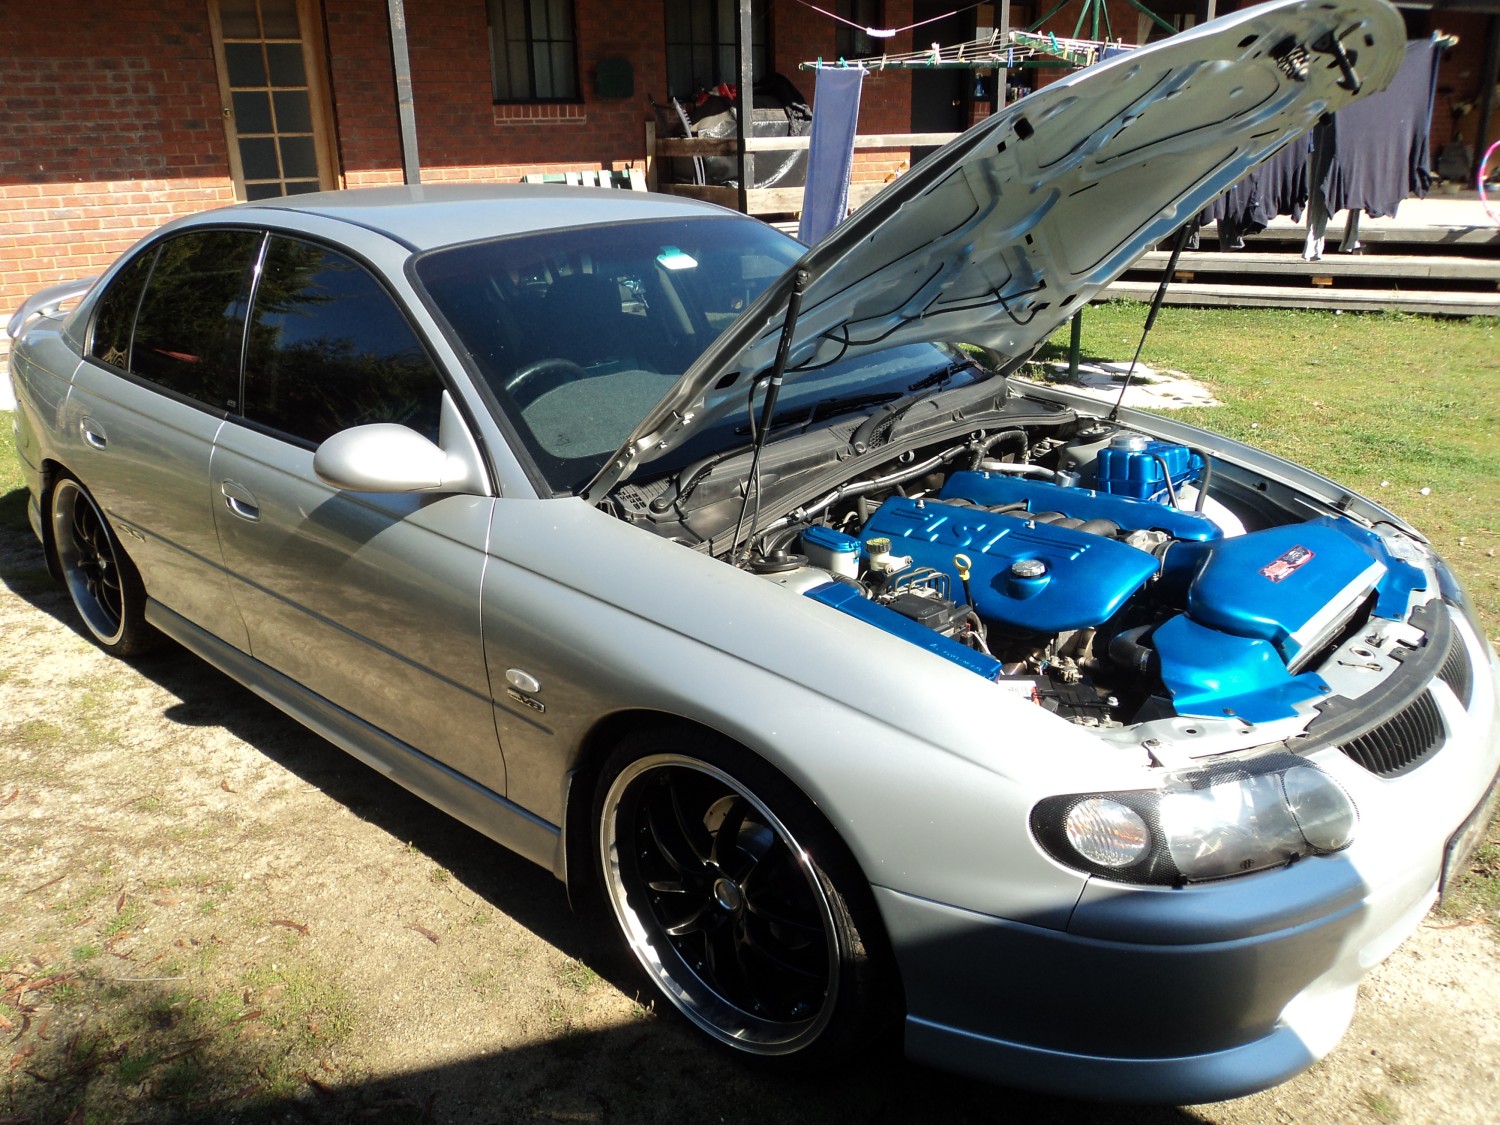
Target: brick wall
x,y
111,127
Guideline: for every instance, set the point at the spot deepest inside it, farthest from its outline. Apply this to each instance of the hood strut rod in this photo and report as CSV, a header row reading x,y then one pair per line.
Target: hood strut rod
x,y
768,407
1161,293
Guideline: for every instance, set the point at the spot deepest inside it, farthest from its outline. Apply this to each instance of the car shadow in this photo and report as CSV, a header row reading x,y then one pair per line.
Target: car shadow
x,y
651,1069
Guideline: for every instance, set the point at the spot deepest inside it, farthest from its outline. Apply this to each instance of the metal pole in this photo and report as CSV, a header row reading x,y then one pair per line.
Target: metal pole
x,y
411,164
1075,346
1487,92
744,108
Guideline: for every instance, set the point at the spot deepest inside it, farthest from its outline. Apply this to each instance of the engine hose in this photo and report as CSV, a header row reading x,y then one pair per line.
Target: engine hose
x,y
989,443
1204,480
992,466
860,487
1166,475
1126,650
976,634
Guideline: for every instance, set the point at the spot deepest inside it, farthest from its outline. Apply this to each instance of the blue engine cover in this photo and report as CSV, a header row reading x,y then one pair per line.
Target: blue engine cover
x,y
992,489
1289,585
1086,580
848,599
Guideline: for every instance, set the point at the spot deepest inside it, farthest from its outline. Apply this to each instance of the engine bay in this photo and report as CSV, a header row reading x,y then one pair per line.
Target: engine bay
x,y
1094,569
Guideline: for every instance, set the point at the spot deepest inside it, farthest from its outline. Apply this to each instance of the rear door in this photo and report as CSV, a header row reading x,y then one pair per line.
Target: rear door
x,y
161,373
371,601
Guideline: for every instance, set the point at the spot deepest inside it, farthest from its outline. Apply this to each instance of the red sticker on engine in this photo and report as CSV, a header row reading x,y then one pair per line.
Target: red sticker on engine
x,y
1288,563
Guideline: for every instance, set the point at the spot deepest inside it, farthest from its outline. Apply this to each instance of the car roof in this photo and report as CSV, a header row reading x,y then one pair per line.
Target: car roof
x,y
425,216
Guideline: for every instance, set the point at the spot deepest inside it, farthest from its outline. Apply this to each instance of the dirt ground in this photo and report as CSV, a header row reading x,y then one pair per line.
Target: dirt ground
x,y
208,913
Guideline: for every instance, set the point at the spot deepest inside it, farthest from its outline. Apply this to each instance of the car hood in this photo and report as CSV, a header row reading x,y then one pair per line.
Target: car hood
x,y
999,236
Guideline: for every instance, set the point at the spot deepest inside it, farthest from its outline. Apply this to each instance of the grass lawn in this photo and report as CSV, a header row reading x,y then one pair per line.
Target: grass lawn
x,y
1385,403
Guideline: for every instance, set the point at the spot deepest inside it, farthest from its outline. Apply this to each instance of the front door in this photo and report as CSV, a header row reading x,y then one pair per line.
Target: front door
x,y
274,90
370,601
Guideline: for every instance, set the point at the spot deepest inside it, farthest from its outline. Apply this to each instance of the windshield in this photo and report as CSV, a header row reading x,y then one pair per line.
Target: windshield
x,y
579,332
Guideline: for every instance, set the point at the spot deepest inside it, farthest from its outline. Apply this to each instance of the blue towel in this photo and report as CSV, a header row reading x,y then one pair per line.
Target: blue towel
x,y
825,200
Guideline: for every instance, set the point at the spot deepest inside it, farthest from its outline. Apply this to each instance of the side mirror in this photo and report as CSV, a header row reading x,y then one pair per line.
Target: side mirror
x,y
385,457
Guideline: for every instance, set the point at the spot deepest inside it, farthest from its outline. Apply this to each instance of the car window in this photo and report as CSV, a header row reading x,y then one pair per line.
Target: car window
x,y
114,319
190,326
330,349
580,331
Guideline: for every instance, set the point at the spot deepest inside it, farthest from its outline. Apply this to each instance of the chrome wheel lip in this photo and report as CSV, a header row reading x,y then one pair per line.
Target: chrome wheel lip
x,y
86,554
688,991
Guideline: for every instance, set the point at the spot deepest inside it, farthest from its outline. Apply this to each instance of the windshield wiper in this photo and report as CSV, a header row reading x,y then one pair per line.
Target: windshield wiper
x,y
887,415
805,416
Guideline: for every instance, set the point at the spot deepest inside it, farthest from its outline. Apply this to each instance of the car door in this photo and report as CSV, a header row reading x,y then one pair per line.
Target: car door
x,y
370,601
160,373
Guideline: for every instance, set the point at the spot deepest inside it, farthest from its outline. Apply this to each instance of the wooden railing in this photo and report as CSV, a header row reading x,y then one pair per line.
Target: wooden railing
x,y
771,200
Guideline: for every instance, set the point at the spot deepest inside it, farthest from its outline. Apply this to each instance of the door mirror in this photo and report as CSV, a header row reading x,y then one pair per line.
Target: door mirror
x,y
385,457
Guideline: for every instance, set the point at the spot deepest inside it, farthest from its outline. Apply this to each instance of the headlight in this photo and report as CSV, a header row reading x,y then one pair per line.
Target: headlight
x,y
1227,818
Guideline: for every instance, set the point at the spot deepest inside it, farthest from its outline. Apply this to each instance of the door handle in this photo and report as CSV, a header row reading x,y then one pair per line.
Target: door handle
x,y
92,433
240,500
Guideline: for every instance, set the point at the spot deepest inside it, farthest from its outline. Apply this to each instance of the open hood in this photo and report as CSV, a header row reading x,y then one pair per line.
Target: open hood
x,y
999,236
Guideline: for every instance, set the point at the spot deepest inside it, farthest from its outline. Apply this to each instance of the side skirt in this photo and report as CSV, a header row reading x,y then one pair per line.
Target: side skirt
x,y
482,809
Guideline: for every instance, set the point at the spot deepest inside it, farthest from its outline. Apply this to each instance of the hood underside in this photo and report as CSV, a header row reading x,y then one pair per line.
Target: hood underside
x,y
997,238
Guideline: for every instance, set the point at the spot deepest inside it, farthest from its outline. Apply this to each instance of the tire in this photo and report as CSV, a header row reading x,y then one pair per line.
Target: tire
x,y
102,581
766,939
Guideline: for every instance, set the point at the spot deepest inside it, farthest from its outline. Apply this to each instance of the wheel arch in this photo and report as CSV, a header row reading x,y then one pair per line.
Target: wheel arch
x,y
581,873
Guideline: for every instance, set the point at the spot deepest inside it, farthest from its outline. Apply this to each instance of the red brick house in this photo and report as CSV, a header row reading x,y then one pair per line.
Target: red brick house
x,y
118,117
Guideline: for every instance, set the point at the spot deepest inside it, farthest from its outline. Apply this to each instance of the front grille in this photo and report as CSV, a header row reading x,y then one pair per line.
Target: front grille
x,y
1401,742
1457,672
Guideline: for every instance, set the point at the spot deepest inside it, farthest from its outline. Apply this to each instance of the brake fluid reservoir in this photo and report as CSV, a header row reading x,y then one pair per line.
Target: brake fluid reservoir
x,y
832,550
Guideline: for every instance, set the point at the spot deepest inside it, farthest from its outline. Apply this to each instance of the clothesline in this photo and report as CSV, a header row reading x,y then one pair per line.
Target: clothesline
x,y
1016,48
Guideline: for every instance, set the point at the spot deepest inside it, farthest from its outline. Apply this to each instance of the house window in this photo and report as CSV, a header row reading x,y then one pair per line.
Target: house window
x,y
853,43
533,50
703,43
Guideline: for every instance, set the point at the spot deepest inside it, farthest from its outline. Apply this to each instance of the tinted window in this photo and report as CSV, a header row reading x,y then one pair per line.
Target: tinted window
x,y
116,315
329,349
580,331
191,323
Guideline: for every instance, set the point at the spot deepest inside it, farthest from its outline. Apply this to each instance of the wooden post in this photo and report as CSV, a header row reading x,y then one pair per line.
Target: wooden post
x,y
650,154
744,110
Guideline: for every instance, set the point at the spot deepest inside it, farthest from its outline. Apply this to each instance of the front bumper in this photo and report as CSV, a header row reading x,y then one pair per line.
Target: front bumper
x,y
1214,991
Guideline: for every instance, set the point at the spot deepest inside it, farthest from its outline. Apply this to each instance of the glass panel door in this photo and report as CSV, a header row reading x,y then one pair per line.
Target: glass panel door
x,y
274,97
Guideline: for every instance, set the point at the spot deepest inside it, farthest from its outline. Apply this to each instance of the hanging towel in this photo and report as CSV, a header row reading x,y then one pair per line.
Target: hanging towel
x,y
825,200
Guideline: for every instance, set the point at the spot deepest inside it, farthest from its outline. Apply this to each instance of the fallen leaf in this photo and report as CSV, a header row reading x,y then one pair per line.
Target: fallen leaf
x,y
20,1057
13,794
224,785
289,924
120,902
47,884
252,1014
425,932
167,900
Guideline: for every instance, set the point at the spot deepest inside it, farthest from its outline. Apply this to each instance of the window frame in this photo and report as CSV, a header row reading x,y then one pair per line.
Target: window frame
x,y
500,40
719,40
852,42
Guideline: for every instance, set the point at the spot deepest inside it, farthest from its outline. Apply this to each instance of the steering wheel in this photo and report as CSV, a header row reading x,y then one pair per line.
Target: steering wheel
x,y
531,382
